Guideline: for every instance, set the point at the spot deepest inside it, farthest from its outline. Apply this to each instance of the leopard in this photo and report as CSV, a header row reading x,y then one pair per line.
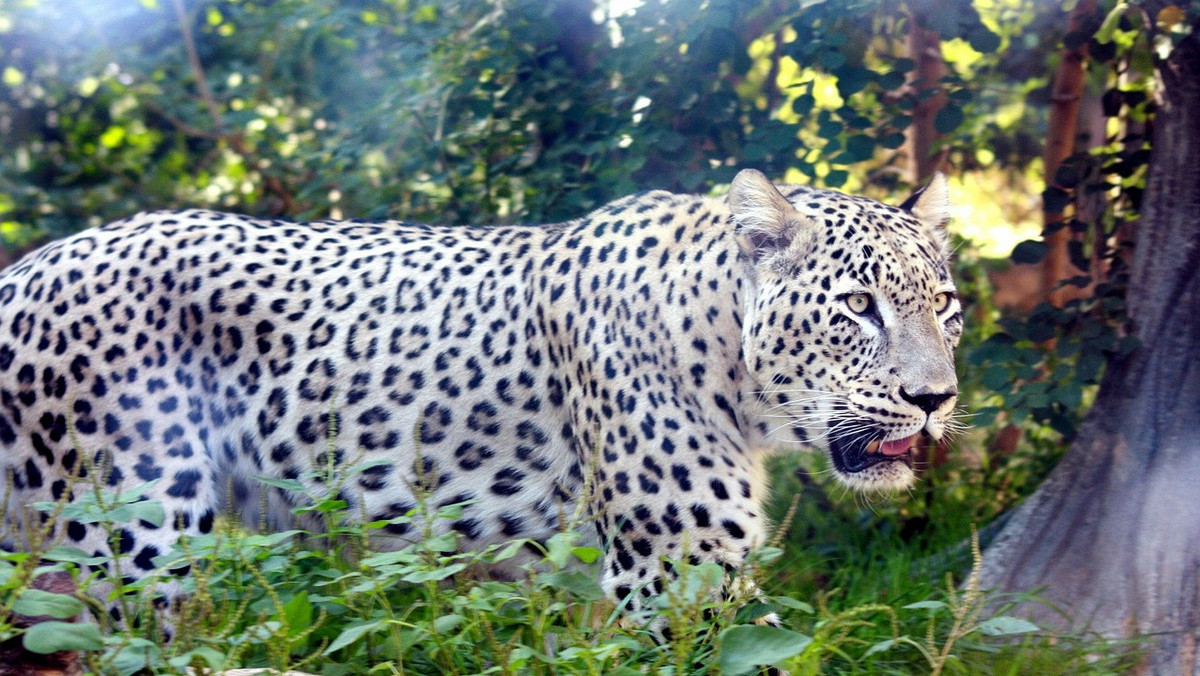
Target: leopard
x,y
638,365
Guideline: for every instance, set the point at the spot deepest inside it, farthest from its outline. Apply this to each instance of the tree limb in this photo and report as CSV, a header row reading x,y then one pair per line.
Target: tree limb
x,y
235,140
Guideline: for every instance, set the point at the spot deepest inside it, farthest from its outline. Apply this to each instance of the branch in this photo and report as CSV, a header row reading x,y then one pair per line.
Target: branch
x,y
235,140
189,46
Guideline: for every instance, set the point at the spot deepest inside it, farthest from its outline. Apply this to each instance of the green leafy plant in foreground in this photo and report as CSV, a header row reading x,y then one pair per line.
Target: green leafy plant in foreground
x,y
319,600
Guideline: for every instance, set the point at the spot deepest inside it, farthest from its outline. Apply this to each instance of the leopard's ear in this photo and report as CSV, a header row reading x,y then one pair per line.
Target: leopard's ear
x,y
763,215
931,206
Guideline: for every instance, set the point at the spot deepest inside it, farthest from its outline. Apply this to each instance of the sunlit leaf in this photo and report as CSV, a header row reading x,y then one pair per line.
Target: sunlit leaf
x,y
1006,626
745,648
48,637
353,633
34,602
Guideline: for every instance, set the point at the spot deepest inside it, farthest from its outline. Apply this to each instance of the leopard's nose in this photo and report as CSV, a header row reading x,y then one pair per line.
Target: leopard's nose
x,y
927,400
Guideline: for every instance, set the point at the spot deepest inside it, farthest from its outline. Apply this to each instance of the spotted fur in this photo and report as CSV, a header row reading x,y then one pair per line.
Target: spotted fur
x,y
639,359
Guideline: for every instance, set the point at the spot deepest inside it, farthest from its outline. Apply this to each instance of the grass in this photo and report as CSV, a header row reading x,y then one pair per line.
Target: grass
x,y
873,587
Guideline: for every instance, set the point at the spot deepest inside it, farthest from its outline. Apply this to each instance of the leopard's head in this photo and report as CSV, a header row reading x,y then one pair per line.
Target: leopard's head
x,y
851,323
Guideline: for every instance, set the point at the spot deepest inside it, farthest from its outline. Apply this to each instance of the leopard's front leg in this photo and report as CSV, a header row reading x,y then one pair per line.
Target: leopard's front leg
x,y
690,506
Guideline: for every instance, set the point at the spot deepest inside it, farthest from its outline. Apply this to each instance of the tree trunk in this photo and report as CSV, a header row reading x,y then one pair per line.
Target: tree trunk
x,y
1065,93
925,49
1113,535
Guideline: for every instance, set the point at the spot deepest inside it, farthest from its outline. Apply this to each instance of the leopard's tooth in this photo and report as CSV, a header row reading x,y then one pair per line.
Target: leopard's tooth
x,y
873,447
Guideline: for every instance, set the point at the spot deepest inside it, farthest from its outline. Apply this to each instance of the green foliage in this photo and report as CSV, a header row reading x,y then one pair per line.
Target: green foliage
x,y
319,601
462,111
1043,368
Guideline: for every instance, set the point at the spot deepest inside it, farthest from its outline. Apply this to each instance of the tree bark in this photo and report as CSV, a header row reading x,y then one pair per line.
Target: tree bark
x,y
1113,535
1065,94
925,49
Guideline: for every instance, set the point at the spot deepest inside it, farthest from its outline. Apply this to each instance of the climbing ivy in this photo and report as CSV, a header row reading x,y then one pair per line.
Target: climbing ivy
x,y
1042,365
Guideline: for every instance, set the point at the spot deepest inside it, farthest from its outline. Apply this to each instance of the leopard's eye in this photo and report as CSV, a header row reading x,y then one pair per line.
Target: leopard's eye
x,y
859,303
942,301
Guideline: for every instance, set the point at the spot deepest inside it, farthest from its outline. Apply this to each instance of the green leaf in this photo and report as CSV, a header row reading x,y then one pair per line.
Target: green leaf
x,y
453,511
66,554
763,555
560,549
215,659
984,417
447,623
12,77
960,96
1127,345
443,544
586,554
891,80
137,655
50,637
1068,175
997,378
892,141
744,648
580,584
35,602
983,40
754,611
851,80
830,128
150,511
299,612
789,602
1006,626
803,104
836,178
882,646
1088,366
268,540
925,605
1055,199
1104,34
860,147
832,59
948,119
439,573
506,551
1030,252
353,633
290,485
323,506
1069,394
754,152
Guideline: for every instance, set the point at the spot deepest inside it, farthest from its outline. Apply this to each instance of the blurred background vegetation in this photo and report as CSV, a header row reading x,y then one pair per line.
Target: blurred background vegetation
x,y
501,111
475,111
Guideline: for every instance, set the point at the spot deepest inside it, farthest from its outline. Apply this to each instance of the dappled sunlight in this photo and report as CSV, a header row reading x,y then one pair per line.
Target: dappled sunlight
x,y
995,210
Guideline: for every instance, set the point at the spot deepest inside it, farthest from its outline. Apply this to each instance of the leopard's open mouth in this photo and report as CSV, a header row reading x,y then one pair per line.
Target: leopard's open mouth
x,y
856,454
